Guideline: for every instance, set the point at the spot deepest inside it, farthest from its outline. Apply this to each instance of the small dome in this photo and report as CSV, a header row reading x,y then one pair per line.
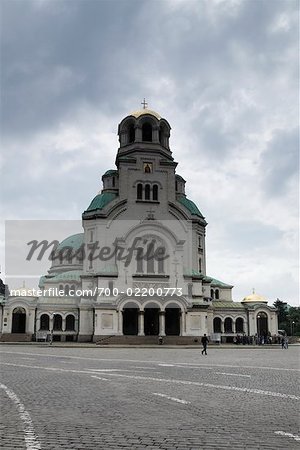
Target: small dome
x,y
75,241
254,298
143,112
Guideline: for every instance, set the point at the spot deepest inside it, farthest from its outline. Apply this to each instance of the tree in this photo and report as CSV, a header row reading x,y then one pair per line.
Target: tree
x,y
282,311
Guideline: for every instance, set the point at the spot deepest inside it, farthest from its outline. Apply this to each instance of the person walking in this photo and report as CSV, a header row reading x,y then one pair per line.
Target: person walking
x,y
204,342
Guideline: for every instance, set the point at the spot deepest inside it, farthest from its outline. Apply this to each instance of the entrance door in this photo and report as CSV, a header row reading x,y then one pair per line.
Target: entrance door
x,y
172,321
262,324
19,320
151,321
130,321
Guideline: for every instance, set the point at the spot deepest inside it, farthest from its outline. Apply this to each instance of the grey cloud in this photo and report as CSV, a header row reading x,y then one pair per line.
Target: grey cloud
x,y
280,161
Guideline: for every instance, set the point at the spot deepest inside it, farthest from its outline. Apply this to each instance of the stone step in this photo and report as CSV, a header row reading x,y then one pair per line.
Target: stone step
x,y
146,340
16,337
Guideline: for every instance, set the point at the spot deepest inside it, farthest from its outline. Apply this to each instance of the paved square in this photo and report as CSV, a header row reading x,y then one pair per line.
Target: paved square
x,y
149,398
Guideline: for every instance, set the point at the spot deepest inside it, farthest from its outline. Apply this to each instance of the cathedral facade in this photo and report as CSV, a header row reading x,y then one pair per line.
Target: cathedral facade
x,y
139,266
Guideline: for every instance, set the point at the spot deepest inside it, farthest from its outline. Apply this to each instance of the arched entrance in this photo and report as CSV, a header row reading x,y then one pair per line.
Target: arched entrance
x,y
151,321
172,321
228,325
217,325
18,320
130,321
239,325
262,324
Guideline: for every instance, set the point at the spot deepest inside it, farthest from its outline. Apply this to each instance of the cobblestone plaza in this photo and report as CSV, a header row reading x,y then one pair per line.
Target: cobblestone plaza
x,y
149,398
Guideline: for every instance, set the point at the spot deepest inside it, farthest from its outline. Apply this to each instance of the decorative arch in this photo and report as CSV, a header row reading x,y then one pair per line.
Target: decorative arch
x,y
44,322
239,325
70,322
228,325
57,322
217,325
147,132
19,320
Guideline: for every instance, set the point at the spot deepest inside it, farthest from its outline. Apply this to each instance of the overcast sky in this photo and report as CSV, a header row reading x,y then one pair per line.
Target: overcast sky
x,y
225,76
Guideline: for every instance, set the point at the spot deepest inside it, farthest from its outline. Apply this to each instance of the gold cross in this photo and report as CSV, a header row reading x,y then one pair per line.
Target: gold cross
x,y
144,103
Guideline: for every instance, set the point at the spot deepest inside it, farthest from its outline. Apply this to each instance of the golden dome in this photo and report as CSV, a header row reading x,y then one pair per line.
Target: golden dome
x,y
254,298
142,112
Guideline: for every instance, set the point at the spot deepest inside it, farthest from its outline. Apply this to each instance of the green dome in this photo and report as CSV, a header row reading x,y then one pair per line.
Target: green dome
x,y
75,241
101,200
191,206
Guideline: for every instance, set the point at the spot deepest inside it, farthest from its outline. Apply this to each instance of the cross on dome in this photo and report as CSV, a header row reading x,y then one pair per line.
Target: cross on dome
x,y
145,104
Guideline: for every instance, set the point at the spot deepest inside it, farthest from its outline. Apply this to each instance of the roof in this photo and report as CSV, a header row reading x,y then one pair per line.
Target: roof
x,y
110,172
74,241
191,206
254,298
71,275
179,177
145,111
218,283
227,305
101,200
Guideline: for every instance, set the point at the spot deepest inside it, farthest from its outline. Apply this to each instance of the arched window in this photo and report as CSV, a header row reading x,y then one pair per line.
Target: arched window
x,y
160,262
217,325
155,192
150,258
200,265
147,132
217,294
239,325
67,288
61,287
131,134
139,191
228,325
147,192
212,294
44,322
70,323
72,288
57,322
139,260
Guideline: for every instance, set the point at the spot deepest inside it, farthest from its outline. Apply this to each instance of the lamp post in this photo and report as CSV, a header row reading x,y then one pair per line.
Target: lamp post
x,y
258,329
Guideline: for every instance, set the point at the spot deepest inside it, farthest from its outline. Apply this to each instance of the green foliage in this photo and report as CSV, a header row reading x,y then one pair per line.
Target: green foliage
x,y
288,317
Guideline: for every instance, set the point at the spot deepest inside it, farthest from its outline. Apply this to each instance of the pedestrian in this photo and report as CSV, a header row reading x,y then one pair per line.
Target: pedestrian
x,y
204,342
282,342
286,343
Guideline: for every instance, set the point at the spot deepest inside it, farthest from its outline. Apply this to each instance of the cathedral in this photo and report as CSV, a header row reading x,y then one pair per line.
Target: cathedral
x,y
138,269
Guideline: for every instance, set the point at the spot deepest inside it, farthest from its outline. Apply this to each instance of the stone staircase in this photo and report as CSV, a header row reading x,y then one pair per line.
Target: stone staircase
x,y
16,337
146,340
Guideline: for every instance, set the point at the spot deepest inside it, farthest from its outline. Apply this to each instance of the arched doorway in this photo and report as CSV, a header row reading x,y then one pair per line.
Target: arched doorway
x,y
130,321
228,325
57,322
172,321
44,322
262,324
239,325
217,325
18,320
151,321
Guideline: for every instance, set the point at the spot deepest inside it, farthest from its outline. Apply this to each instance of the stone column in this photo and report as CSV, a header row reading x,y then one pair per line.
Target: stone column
x,y
141,330
138,134
222,326
63,326
51,323
162,317
181,319
155,134
234,326
120,322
